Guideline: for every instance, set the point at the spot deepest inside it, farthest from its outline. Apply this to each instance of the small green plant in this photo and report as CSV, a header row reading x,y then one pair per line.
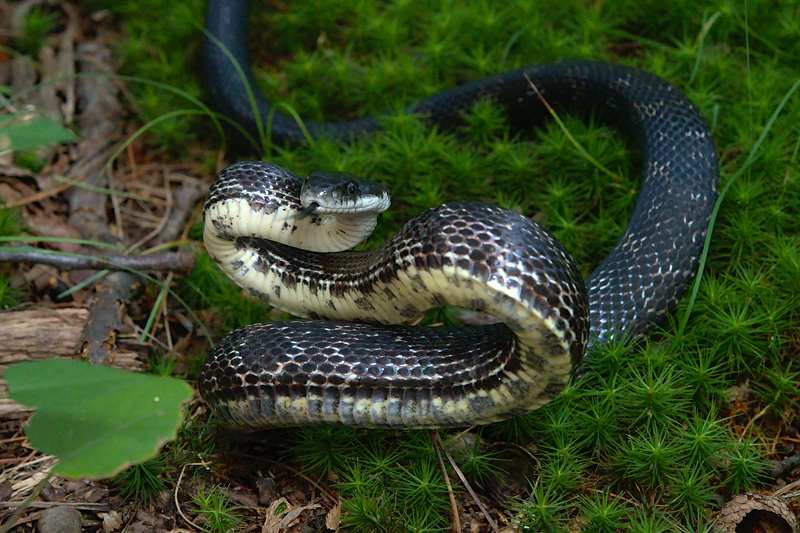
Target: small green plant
x,y
781,391
163,364
38,23
600,424
691,490
143,482
358,478
648,521
563,467
29,159
654,396
424,485
475,462
369,511
703,438
747,465
602,512
384,487
647,456
9,296
197,438
220,516
325,448
545,509
23,131
705,375
10,222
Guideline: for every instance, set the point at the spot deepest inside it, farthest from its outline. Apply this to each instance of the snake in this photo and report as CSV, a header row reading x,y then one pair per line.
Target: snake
x,y
352,358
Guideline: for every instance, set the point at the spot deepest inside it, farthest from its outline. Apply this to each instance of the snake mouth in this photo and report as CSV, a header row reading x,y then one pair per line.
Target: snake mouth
x,y
363,206
340,193
313,206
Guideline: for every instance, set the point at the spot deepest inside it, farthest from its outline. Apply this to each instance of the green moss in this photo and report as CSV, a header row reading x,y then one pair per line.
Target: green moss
x,y
37,24
10,226
29,160
648,421
162,44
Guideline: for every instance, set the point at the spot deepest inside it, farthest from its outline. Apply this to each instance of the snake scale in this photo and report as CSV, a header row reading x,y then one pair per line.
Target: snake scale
x,y
332,370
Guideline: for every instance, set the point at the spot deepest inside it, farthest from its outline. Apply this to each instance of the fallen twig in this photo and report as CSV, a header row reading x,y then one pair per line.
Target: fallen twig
x,y
778,468
456,519
83,506
438,440
177,501
160,262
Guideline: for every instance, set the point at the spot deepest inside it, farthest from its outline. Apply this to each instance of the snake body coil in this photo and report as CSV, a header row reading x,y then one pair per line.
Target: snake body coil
x,y
468,254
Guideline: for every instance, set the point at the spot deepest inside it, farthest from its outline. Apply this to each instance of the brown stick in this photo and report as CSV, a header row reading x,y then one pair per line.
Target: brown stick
x,y
438,439
166,261
456,520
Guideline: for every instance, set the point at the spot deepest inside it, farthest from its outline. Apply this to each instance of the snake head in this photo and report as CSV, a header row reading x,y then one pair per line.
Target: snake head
x,y
331,193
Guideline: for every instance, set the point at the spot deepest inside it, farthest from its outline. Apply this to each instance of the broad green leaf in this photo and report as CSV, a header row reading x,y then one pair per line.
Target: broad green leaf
x,y
28,131
96,420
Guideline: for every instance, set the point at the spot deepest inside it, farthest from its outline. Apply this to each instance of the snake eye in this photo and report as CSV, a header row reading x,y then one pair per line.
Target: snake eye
x,y
352,189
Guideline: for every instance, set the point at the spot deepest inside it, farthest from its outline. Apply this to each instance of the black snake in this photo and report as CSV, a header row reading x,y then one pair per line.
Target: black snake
x,y
467,254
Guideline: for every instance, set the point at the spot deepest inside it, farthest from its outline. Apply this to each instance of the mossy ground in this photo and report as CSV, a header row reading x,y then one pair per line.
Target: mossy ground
x,y
652,438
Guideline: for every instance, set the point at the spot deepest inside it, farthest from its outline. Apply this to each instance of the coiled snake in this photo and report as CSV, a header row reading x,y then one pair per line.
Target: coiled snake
x,y
467,254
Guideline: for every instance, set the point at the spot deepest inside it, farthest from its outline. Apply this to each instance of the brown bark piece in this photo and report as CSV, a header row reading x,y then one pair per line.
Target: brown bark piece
x,y
98,344
98,125
43,333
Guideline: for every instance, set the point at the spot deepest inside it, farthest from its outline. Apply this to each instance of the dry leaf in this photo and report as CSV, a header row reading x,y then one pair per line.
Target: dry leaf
x,y
292,515
274,523
333,517
272,520
111,521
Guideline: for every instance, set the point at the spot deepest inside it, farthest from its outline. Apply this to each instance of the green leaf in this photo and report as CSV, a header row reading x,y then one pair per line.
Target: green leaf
x,y
28,131
96,420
